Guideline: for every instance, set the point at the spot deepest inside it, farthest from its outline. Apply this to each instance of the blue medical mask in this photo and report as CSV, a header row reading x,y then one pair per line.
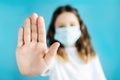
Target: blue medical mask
x,y
67,35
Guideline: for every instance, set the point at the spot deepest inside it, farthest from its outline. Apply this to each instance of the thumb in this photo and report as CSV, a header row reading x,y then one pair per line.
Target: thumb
x,y
52,52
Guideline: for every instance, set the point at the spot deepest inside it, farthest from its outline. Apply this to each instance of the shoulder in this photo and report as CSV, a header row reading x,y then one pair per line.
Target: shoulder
x,y
95,60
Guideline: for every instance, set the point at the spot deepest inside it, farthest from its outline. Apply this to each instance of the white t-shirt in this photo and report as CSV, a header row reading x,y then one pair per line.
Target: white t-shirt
x,y
75,69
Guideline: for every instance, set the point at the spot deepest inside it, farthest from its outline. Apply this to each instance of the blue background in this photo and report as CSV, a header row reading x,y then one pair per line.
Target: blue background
x,y
102,18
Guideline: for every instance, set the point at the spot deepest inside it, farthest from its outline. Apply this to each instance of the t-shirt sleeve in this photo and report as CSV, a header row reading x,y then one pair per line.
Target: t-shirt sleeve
x,y
98,73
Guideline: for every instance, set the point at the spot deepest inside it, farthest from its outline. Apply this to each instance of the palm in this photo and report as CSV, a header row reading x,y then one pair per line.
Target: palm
x,y
32,55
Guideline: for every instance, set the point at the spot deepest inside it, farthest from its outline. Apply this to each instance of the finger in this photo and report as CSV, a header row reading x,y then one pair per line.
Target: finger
x,y
34,26
41,30
20,37
27,31
52,52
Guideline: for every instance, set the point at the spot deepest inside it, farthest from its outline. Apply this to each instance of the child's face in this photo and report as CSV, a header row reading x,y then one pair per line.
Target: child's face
x,y
66,19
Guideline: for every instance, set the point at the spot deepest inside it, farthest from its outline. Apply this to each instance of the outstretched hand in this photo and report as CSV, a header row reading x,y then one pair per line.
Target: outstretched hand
x,y
33,56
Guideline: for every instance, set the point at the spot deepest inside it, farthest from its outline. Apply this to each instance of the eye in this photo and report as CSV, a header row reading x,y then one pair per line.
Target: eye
x,y
61,26
72,24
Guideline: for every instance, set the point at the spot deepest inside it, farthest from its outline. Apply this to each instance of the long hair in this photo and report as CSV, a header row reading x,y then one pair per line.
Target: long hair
x,y
83,44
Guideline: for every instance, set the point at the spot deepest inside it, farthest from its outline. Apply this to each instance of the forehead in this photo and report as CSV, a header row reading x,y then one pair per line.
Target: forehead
x,y
66,17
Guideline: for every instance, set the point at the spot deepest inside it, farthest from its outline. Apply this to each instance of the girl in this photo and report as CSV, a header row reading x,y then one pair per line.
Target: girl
x,y
70,56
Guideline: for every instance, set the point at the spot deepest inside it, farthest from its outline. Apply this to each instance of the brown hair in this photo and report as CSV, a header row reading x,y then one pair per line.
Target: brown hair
x,y
83,44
